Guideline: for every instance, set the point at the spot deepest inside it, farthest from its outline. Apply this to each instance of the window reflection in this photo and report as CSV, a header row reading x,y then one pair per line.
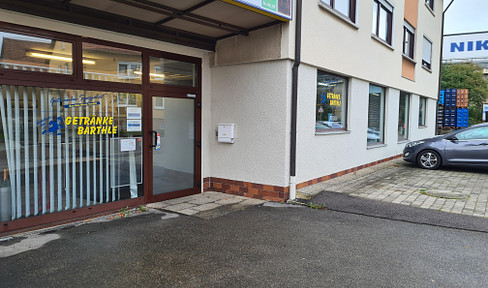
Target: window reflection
x,y
172,72
331,102
111,64
28,53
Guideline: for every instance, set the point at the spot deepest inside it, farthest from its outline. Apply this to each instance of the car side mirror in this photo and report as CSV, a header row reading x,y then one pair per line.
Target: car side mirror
x,y
451,138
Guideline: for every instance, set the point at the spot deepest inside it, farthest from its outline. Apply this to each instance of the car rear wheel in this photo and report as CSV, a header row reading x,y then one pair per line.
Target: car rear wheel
x,y
429,159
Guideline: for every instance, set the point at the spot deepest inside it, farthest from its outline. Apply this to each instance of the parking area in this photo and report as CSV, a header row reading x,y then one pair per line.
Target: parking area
x,y
455,190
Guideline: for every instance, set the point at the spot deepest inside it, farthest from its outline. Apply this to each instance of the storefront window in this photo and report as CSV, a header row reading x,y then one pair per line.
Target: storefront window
x,y
172,72
113,64
62,149
331,102
422,111
403,116
376,115
35,54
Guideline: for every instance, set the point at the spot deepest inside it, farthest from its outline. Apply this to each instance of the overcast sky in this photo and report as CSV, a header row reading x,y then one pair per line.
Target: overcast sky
x,y
466,16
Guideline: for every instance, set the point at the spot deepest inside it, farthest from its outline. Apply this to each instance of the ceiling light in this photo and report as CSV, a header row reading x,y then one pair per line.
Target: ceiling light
x,y
54,57
151,74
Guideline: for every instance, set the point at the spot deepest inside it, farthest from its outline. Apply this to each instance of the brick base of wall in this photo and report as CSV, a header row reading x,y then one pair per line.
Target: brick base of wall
x,y
340,173
269,192
248,189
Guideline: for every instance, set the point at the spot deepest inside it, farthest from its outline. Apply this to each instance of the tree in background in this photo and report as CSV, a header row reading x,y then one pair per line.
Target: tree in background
x,y
467,76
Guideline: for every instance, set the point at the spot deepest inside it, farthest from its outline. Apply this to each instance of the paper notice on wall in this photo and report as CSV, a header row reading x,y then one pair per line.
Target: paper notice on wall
x,y
134,113
127,145
134,125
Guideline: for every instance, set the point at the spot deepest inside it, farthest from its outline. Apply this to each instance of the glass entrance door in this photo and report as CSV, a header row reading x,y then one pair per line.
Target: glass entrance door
x,y
173,145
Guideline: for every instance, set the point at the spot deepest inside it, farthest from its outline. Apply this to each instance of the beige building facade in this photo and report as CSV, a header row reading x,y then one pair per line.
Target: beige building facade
x,y
209,107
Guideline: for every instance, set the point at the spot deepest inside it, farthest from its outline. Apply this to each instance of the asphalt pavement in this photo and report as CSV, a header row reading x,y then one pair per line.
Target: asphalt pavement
x,y
262,246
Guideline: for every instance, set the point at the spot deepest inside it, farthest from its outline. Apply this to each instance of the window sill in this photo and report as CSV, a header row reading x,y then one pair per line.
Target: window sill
x,y
373,146
427,69
338,15
413,80
408,58
403,141
422,127
382,42
337,132
430,9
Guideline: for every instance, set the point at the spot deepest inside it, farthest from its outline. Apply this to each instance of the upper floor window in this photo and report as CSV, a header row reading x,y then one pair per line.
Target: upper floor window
x,y
430,3
383,20
344,7
427,53
408,40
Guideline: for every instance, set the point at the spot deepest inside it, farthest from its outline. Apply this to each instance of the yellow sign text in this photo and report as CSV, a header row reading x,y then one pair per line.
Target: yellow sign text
x,y
93,125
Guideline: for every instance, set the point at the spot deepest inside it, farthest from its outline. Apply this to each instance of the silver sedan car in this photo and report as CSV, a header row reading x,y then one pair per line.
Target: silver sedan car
x,y
468,146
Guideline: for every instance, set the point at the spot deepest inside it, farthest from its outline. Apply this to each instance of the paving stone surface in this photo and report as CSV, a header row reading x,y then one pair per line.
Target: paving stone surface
x,y
462,190
206,205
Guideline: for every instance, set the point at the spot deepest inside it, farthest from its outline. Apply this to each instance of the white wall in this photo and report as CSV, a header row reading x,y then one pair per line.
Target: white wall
x,y
320,155
332,44
256,98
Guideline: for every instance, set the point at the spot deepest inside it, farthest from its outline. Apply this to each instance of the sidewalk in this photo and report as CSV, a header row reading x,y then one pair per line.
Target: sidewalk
x,y
269,245
206,205
455,190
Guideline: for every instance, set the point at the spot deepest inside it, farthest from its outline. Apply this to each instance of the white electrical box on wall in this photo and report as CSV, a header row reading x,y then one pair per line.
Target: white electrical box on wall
x,y
225,133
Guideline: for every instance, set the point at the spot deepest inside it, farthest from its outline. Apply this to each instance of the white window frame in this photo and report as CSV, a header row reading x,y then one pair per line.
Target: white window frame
x,y
429,67
130,68
159,107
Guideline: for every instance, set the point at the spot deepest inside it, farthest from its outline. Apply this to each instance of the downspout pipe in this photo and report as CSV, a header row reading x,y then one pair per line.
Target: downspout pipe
x,y
294,99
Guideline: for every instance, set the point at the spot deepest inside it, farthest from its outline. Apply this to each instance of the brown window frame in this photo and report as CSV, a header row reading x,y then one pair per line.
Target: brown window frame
x,y
407,116
352,9
345,107
389,22
422,123
76,78
407,31
372,144
76,82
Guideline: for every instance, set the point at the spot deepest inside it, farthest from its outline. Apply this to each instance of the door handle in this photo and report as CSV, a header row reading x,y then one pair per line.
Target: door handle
x,y
483,144
155,136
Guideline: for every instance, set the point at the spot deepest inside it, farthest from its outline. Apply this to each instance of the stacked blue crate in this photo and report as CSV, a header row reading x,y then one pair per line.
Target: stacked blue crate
x,y
450,98
441,97
462,117
450,117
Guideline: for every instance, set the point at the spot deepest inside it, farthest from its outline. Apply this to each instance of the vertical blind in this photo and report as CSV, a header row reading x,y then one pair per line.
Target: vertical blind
x,y
49,166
